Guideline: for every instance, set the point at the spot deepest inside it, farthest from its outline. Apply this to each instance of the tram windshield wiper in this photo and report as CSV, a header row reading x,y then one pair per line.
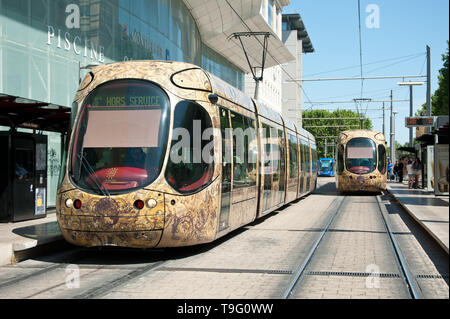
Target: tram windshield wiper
x,y
84,161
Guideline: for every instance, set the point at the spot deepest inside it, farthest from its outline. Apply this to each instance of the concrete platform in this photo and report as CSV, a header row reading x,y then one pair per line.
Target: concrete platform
x,y
17,238
431,211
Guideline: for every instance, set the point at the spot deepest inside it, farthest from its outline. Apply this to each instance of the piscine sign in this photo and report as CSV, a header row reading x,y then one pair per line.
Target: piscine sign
x,y
65,41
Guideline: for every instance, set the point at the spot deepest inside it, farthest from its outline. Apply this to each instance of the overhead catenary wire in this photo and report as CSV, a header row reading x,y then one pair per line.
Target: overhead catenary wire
x,y
283,69
366,64
249,29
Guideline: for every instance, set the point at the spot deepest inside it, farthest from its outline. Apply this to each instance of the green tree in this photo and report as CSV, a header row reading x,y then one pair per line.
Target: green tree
x,y
332,124
439,100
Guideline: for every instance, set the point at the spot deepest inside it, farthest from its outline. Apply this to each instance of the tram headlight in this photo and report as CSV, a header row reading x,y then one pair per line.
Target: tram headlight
x,y
69,203
151,203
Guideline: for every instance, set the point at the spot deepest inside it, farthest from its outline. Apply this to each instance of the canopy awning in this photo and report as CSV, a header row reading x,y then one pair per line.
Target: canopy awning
x,y
407,149
426,139
217,20
441,130
23,113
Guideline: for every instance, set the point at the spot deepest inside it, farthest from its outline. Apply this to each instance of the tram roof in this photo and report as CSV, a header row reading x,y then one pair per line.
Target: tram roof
x,y
268,113
290,125
231,93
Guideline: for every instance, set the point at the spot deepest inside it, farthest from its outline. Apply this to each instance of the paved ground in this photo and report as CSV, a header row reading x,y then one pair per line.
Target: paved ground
x,y
257,261
431,211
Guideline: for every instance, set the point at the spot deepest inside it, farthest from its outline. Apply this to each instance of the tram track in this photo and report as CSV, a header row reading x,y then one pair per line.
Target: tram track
x,y
80,259
410,283
98,292
404,273
318,258
72,257
301,270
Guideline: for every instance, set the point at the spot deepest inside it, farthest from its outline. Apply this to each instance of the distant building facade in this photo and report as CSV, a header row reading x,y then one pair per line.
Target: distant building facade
x,y
296,39
46,46
270,87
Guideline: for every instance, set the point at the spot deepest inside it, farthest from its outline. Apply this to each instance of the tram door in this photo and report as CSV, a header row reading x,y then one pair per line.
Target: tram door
x,y
267,168
226,169
281,167
244,189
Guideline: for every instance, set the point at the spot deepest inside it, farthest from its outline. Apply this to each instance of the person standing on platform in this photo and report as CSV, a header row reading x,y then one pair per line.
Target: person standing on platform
x,y
400,171
406,161
396,171
417,167
411,174
390,175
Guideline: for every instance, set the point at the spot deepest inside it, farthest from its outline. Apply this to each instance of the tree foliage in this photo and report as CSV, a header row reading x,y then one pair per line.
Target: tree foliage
x,y
329,127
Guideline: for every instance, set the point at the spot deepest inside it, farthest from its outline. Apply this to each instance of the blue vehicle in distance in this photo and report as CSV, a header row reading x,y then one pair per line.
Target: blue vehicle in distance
x,y
326,167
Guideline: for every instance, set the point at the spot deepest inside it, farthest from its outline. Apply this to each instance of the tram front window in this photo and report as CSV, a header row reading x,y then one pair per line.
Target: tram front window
x,y
325,166
121,137
361,156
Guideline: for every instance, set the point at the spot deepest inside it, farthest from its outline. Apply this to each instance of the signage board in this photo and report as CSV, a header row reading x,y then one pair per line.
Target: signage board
x,y
419,121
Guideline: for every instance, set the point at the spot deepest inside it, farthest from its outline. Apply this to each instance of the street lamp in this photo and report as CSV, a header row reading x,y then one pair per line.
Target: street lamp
x,y
410,84
393,159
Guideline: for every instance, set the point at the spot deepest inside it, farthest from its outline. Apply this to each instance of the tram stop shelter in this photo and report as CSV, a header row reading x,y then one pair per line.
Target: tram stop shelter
x,y
23,184
434,152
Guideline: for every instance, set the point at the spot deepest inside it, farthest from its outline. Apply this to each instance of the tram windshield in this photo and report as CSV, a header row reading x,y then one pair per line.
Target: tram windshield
x,y
361,155
326,165
121,137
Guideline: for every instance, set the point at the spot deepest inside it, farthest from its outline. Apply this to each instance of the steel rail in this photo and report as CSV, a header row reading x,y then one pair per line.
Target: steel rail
x,y
72,256
335,206
98,292
401,262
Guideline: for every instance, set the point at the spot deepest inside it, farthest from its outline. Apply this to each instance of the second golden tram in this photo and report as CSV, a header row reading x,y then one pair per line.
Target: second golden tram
x,y
361,161
164,154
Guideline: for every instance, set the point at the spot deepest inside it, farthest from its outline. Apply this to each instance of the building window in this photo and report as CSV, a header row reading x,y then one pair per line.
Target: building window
x,y
269,13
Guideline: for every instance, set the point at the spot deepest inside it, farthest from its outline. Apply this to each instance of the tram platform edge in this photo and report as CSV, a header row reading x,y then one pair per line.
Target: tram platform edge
x,y
26,239
430,211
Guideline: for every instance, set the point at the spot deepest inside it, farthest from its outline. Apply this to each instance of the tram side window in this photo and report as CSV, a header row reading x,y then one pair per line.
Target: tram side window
x,y
340,159
244,150
275,153
253,151
314,158
188,169
307,158
293,157
282,147
382,159
303,155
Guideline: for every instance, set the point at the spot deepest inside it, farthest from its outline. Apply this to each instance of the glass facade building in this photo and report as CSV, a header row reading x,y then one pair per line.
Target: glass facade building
x,y
45,45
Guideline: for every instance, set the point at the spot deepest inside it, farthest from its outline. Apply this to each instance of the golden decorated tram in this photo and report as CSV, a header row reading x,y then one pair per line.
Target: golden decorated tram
x,y
361,161
164,154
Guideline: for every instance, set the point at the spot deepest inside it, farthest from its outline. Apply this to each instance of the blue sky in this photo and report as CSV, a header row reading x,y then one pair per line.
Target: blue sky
x,y
405,28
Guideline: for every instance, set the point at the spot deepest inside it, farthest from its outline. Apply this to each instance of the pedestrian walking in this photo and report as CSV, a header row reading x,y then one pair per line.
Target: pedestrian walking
x,y
400,171
417,167
405,164
390,174
411,174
